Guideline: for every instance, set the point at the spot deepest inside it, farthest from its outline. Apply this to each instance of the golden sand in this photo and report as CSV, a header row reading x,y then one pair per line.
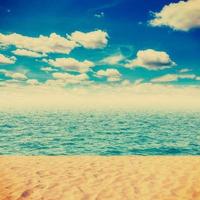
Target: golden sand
x,y
99,178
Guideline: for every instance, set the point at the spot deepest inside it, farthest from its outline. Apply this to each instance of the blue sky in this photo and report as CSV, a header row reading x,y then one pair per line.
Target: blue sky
x,y
128,48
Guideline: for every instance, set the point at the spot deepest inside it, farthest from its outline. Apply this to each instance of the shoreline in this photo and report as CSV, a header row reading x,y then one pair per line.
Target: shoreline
x,y
99,177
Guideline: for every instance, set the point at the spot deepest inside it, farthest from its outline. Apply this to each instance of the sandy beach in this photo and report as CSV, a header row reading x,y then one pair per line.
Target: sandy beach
x,y
99,178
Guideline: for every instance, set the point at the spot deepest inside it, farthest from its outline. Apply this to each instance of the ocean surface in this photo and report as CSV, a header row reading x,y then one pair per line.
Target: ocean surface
x,y
99,133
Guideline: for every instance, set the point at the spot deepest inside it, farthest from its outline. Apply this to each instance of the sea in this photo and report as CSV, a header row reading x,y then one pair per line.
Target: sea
x,y
107,133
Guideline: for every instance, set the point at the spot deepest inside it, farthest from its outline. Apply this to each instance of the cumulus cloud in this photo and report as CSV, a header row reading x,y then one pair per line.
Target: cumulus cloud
x,y
28,53
112,60
54,43
69,78
152,60
48,69
112,75
71,64
7,60
125,83
42,44
91,40
173,77
183,15
14,75
32,82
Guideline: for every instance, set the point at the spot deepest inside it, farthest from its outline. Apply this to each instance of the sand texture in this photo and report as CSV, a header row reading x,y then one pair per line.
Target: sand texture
x,y
99,178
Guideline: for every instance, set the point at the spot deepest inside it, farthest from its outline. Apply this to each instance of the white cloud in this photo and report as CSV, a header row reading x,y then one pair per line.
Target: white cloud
x,y
90,40
99,15
48,69
138,81
32,82
184,70
43,44
112,60
165,78
173,77
18,76
71,64
69,78
186,76
152,60
54,43
111,74
14,75
105,96
183,15
125,83
7,60
28,53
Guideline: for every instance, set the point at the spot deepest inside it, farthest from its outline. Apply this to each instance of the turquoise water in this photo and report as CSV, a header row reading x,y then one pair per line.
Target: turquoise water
x,y
99,133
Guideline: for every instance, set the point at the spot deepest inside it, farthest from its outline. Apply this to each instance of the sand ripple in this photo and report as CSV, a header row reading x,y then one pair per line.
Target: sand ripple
x,y
99,178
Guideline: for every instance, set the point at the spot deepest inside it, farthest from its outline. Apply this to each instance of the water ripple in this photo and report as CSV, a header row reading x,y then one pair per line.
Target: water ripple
x,y
99,133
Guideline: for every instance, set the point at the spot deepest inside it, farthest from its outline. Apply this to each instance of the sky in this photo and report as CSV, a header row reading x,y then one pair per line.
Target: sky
x,y
133,50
